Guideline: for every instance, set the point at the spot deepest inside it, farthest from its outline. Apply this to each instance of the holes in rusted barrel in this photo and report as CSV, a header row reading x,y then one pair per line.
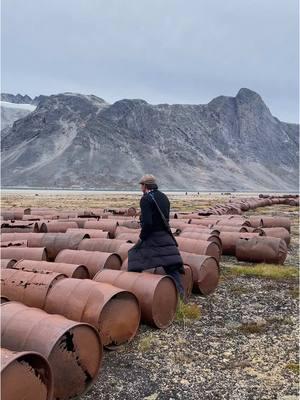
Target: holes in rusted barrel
x,y
25,375
73,350
199,247
261,249
70,270
29,288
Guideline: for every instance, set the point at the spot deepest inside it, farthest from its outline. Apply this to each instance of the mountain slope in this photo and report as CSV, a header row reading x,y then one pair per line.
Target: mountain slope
x,y
230,143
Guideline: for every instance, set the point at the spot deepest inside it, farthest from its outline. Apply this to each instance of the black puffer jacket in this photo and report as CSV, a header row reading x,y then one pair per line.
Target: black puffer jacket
x,y
157,247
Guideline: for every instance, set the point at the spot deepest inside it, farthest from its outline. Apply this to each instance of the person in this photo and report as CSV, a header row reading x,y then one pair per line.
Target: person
x,y
157,246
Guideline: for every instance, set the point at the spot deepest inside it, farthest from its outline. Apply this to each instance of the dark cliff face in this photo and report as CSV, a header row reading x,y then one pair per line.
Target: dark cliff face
x,y
230,143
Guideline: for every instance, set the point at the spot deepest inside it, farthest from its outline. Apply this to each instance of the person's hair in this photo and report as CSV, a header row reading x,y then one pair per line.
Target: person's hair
x,y
151,186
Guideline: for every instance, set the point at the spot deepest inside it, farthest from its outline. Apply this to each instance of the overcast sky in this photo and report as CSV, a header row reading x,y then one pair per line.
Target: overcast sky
x,y
164,51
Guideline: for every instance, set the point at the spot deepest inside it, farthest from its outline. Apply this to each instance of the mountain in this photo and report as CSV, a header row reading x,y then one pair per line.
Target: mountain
x,y
231,143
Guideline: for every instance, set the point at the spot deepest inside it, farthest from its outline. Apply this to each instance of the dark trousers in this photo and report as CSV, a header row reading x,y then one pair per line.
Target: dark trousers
x,y
173,271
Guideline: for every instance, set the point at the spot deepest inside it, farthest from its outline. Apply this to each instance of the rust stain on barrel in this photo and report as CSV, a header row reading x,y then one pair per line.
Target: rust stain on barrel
x,y
29,288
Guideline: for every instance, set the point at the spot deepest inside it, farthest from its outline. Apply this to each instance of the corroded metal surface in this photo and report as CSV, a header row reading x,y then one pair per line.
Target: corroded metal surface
x,y
105,225
25,375
70,270
132,237
28,253
114,312
73,349
99,244
93,233
29,288
56,226
14,243
276,222
202,236
199,247
229,240
122,251
157,294
261,249
205,272
95,261
281,233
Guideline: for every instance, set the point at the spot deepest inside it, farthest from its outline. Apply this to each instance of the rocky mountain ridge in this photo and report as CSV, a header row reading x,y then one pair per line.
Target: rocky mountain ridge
x,y
231,143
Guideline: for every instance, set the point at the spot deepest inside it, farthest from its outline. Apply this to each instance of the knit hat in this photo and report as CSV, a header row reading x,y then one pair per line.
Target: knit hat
x,y
148,180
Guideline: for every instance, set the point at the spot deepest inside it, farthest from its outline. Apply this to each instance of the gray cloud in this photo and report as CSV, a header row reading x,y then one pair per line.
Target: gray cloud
x,y
164,51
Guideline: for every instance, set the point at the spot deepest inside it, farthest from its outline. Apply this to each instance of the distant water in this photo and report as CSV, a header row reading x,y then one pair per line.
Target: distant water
x,y
72,192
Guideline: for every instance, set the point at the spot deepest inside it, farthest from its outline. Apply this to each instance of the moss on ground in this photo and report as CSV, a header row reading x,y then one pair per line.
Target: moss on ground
x,y
269,271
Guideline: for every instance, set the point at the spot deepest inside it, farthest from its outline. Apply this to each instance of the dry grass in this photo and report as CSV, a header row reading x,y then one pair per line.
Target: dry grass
x,y
269,271
293,367
186,312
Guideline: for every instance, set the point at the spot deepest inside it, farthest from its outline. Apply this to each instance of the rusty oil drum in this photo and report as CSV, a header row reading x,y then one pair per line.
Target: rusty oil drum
x,y
261,249
205,270
157,294
29,253
101,244
95,261
29,288
73,350
199,247
93,233
229,240
70,270
25,375
114,312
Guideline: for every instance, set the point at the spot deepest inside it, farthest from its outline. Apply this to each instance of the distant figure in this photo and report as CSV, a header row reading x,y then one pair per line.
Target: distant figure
x,y
198,193
157,246
186,193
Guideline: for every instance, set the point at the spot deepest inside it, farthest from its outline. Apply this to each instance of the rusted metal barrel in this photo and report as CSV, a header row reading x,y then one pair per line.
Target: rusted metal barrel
x,y
239,222
125,229
14,213
186,279
53,242
29,288
281,233
98,244
178,224
14,243
106,225
25,375
276,222
157,294
129,224
229,240
199,247
93,233
231,228
17,226
205,270
28,253
261,249
198,229
7,262
73,350
57,227
204,221
132,237
113,311
70,270
95,261
202,236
